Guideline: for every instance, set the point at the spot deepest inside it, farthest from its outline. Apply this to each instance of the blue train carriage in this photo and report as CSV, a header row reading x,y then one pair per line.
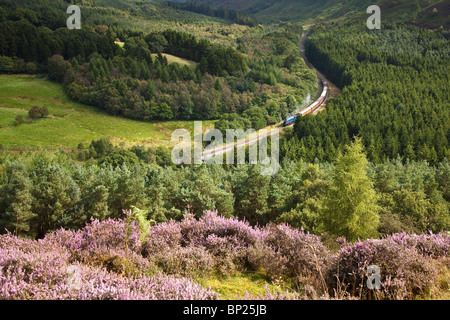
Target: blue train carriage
x,y
289,121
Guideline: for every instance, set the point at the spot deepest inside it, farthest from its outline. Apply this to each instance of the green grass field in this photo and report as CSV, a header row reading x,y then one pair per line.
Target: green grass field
x,y
180,61
170,58
70,123
234,287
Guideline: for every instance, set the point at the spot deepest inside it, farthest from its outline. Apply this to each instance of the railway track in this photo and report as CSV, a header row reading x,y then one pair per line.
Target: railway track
x,y
247,141
313,108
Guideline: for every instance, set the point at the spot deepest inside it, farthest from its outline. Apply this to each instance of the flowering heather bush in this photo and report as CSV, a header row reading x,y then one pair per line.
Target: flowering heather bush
x,y
111,262
39,270
226,241
110,243
101,285
431,245
408,263
107,235
162,237
112,234
235,245
268,258
309,294
302,254
233,231
186,261
31,269
210,231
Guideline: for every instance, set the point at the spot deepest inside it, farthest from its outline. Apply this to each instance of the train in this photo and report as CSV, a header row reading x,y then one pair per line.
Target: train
x,y
313,107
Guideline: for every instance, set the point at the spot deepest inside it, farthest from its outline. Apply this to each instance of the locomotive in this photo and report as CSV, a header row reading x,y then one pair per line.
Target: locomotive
x,y
313,107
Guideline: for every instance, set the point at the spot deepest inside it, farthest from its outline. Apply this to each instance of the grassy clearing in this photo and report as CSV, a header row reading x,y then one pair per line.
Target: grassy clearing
x,y
70,123
173,59
170,58
235,287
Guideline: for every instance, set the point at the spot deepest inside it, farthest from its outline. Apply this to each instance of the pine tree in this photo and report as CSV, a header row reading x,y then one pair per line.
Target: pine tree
x,y
409,153
350,207
251,191
17,199
218,85
57,195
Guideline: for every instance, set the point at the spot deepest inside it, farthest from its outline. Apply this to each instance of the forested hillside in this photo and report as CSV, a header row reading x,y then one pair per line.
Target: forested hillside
x,y
137,82
364,182
229,228
223,13
43,192
395,94
427,13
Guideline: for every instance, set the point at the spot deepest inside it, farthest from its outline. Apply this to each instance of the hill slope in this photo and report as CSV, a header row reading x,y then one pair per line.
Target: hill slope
x,y
69,123
423,12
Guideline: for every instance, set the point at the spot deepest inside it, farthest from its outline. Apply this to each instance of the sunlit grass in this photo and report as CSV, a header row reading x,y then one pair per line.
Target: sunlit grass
x,y
70,123
236,286
181,61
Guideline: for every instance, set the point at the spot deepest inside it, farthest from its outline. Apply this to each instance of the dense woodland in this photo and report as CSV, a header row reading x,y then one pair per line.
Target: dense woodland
x,y
365,181
137,82
43,192
256,83
395,94
238,17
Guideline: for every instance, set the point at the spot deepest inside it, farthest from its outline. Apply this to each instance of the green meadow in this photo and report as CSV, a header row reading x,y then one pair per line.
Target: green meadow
x,y
70,123
170,58
182,62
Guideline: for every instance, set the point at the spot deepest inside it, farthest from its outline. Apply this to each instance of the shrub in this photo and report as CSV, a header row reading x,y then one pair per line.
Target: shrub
x,y
111,243
31,67
238,233
39,270
162,237
38,112
20,119
119,158
304,255
98,284
264,256
101,147
145,154
226,240
6,64
237,246
408,264
115,261
429,245
190,262
57,68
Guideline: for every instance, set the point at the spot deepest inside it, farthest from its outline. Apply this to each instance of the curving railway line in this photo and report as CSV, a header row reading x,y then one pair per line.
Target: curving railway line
x,y
290,121
313,108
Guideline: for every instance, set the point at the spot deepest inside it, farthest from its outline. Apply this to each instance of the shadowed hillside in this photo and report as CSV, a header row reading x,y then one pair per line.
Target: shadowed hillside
x,y
422,12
